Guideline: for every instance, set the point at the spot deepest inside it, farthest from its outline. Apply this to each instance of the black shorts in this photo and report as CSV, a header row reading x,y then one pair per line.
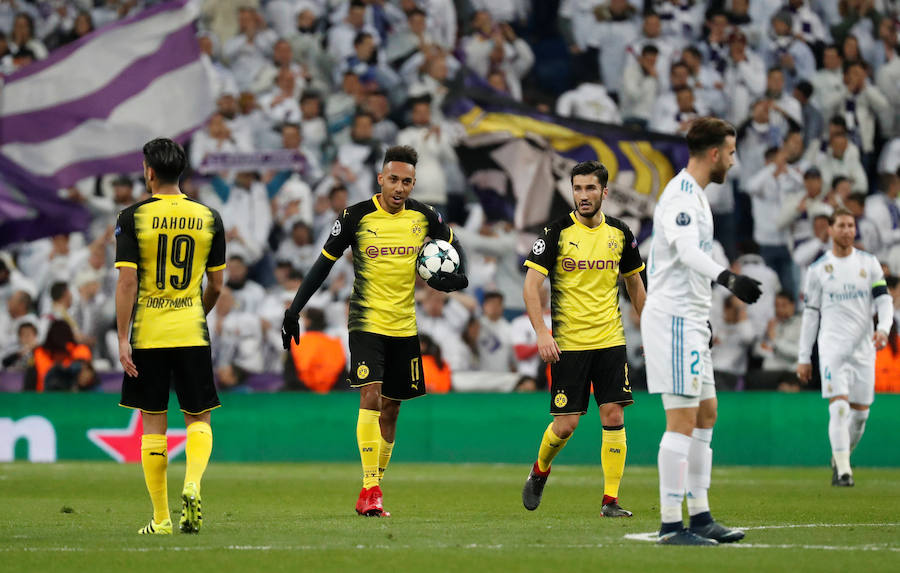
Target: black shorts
x,y
188,369
394,362
577,370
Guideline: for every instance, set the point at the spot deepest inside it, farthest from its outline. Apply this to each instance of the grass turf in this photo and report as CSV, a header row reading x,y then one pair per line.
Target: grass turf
x,y
299,517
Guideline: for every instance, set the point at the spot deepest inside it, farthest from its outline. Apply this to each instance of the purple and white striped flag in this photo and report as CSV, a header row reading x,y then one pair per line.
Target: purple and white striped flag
x,y
89,108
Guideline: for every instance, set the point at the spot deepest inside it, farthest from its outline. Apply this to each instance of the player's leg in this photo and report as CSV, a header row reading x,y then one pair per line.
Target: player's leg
x,y
149,392
861,395
196,390
390,410
570,389
367,352
612,391
672,459
836,389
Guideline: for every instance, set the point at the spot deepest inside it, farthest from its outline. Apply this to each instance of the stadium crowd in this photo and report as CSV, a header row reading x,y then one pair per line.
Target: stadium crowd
x,y
813,87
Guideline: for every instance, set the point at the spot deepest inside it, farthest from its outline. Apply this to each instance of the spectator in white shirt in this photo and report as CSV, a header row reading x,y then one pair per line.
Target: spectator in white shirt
x,y
788,53
706,82
246,215
495,351
640,87
868,237
236,342
248,52
779,348
614,30
342,35
360,158
829,79
589,101
862,105
799,208
839,157
434,142
744,78
298,247
672,111
248,294
497,48
280,104
883,209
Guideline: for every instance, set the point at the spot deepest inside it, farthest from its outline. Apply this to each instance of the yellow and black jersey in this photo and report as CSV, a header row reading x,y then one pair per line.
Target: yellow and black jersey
x,y
583,265
171,241
385,247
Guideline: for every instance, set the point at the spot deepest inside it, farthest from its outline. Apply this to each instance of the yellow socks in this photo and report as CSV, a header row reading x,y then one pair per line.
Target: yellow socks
x,y
197,451
384,457
612,458
155,461
551,444
368,437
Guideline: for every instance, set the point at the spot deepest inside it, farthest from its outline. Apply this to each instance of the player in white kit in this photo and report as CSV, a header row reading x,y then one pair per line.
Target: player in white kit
x,y
841,287
676,335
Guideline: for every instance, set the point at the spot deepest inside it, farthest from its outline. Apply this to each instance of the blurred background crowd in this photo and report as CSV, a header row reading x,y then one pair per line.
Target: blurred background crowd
x,y
813,87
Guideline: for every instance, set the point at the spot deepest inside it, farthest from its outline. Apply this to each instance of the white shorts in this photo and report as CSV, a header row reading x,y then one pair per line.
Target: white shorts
x,y
852,376
677,354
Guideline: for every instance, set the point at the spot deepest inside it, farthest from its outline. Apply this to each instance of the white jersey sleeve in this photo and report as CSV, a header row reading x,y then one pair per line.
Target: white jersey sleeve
x,y
810,325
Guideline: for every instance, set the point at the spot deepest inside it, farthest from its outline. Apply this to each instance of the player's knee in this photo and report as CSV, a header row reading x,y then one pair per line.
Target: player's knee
x,y
612,415
564,426
707,419
370,397
390,410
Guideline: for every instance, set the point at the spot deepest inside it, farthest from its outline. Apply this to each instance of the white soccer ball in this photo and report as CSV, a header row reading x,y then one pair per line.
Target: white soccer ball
x,y
436,256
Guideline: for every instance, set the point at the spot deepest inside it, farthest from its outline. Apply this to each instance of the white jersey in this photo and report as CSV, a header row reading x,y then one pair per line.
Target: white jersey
x,y
841,288
673,287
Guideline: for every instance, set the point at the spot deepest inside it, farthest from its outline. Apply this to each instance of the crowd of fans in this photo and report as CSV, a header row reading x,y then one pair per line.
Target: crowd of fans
x,y
813,87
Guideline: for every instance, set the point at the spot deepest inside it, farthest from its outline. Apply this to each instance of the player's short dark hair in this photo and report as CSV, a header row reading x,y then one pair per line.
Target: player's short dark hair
x,y
57,290
591,168
493,294
166,158
708,132
401,153
839,212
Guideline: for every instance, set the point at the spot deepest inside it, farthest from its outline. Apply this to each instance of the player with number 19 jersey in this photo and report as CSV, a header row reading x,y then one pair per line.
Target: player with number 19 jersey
x,y
172,241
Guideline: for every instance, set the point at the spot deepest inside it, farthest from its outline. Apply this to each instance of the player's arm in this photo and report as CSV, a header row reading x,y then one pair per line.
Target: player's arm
x,y
127,257
214,282
342,233
531,293
884,305
809,326
631,266
446,282
680,226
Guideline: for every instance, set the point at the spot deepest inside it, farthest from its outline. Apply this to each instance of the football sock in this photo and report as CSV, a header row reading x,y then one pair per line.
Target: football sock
x,y
857,426
154,460
368,437
673,464
551,444
384,457
197,451
839,434
612,459
699,470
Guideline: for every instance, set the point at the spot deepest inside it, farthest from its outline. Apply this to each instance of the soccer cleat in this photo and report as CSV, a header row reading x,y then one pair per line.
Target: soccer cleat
x,y
191,517
374,505
534,488
845,480
717,532
685,537
153,528
612,509
361,500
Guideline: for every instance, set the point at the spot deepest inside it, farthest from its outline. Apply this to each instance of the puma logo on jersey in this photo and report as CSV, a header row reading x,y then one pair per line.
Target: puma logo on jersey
x,y
372,231
163,454
574,244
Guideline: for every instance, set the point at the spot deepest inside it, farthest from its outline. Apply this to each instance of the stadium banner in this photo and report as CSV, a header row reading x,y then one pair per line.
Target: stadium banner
x,y
518,160
444,428
274,160
90,106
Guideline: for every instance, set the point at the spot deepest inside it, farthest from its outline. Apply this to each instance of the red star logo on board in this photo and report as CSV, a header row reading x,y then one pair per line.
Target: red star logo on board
x,y
124,444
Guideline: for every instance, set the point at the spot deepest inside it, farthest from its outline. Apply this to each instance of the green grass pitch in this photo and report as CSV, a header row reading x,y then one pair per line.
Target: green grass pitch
x,y
299,517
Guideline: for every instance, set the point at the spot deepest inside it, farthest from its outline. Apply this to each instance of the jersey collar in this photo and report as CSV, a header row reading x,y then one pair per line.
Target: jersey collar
x,y
168,196
383,210
585,227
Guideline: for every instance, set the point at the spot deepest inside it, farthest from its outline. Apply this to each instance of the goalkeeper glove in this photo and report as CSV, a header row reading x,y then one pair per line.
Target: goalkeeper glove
x,y
744,288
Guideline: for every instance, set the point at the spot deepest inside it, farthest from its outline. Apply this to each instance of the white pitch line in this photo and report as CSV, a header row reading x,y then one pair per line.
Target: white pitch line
x,y
653,536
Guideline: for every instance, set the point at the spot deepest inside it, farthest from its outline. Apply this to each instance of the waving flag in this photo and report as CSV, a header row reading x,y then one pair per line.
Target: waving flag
x,y
519,160
89,108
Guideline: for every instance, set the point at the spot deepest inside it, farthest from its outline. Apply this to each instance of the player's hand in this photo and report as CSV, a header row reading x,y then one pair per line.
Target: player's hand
x,y
880,339
804,372
743,287
125,358
290,329
547,347
448,282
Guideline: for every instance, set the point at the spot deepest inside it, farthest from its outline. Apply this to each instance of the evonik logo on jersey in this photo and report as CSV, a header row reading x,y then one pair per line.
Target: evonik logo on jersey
x,y
374,252
569,264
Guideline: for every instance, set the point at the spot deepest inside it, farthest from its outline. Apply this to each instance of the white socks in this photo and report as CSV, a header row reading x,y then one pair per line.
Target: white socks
x,y
699,471
673,464
839,434
857,426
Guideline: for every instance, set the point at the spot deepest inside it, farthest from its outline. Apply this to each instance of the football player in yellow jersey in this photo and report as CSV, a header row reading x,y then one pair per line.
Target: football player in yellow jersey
x,y
164,246
584,254
385,234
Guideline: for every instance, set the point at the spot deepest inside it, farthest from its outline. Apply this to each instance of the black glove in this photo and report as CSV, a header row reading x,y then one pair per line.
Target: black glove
x,y
290,328
448,282
744,288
